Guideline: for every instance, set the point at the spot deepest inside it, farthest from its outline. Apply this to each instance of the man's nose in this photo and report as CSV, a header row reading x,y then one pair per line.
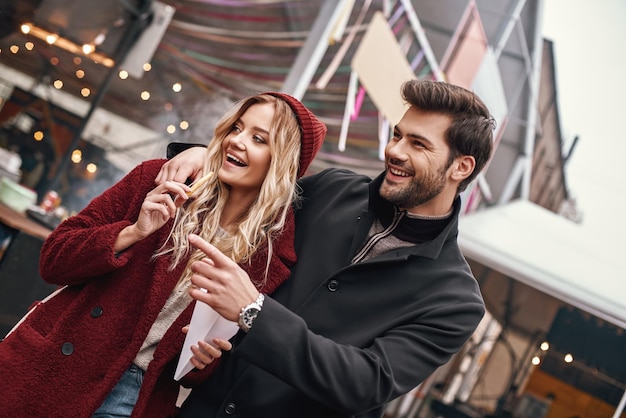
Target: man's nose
x,y
396,149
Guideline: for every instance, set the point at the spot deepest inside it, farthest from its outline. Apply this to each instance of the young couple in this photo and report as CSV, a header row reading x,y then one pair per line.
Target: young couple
x,y
380,295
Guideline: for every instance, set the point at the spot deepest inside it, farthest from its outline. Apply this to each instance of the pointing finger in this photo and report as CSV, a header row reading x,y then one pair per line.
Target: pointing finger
x,y
213,254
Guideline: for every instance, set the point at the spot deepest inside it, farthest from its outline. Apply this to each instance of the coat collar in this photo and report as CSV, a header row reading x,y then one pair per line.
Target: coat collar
x,y
384,210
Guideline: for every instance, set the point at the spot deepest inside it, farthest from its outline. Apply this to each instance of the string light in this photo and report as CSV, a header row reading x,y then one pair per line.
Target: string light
x,y
568,358
58,84
29,45
14,48
91,168
184,125
38,136
80,73
54,39
147,67
85,92
177,87
145,95
536,361
171,129
545,346
123,74
77,156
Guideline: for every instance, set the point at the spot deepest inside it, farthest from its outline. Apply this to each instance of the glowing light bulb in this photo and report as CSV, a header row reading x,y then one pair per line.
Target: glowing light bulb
x,y
77,156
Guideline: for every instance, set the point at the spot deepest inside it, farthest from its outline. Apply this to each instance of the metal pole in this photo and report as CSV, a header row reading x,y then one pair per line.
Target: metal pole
x,y
312,52
620,406
533,102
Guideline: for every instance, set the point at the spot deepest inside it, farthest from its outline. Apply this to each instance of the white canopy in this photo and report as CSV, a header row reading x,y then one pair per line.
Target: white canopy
x,y
548,252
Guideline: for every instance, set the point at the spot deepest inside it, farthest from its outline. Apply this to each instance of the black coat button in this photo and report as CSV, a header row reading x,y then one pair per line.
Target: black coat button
x,y
67,348
333,285
96,312
230,408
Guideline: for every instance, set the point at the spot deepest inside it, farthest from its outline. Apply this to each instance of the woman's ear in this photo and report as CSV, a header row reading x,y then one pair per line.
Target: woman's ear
x,y
463,167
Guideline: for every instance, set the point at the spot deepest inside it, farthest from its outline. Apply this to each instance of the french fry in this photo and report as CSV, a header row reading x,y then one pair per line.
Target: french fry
x,y
196,185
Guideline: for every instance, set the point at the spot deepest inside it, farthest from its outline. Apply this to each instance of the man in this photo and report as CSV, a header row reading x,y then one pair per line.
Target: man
x,y
380,295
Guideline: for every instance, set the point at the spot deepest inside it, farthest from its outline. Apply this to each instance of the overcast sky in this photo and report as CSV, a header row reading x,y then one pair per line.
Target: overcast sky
x,y
590,56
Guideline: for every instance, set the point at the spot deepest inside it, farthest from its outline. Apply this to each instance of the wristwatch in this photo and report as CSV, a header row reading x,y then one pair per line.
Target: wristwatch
x,y
249,313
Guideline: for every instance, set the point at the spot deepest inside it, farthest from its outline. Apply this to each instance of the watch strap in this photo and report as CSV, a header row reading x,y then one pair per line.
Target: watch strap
x,y
248,313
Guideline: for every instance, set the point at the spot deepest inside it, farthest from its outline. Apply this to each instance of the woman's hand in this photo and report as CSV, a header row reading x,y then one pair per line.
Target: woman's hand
x,y
205,353
158,207
187,164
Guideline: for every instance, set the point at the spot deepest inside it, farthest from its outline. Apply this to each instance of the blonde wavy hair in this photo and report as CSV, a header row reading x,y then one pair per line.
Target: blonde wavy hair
x,y
265,218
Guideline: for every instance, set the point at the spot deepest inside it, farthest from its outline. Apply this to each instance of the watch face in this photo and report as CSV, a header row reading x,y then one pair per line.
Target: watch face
x,y
249,315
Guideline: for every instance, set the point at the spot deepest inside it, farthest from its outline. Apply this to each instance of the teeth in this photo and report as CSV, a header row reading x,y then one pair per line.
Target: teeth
x,y
237,160
399,173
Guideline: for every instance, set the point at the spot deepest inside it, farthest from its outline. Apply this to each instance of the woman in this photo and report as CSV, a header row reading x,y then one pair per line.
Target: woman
x,y
109,342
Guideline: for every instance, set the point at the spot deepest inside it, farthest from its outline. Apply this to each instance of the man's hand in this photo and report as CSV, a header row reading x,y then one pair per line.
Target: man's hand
x,y
187,164
228,286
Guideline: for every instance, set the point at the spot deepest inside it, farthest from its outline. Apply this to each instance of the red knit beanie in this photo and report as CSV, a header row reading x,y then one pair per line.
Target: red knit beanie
x,y
313,130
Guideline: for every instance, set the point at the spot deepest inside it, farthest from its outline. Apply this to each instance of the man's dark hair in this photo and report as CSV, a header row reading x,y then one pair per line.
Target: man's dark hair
x,y
471,130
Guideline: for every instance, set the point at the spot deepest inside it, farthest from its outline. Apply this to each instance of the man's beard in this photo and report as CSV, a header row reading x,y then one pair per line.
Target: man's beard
x,y
420,190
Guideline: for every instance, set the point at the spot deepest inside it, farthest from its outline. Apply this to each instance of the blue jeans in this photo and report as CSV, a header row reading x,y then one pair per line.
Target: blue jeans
x,y
122,399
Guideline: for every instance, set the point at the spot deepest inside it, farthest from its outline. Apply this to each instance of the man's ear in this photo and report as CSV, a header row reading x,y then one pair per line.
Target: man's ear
x,y
462,167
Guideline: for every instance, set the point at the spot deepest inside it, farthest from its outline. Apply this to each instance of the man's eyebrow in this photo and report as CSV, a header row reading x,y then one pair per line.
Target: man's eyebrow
x,y
396,128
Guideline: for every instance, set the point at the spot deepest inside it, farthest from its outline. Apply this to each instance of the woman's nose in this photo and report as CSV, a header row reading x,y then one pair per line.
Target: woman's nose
x,y
238,140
